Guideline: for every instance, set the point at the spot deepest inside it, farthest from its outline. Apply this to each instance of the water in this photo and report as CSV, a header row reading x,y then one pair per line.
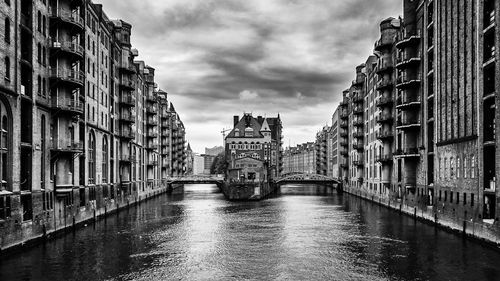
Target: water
x,y
307,233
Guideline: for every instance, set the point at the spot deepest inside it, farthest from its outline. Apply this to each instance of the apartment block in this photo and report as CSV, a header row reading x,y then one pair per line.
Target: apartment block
x,y
300,159
418,124
80,118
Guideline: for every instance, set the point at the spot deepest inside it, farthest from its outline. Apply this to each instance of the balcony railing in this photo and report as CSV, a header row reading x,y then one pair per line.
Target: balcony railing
x,y
68,75
68,145
358,110
384,65
384,101
408,58
408,39
68,46
408,80
384,118
152,109
406,101
128,134
384,42
128,158
127,117
358,146
72,105
344,114
383,135
358,135
408,123
358,98
384,84
358,122
407,153
128,99
128,84
67,16
383,158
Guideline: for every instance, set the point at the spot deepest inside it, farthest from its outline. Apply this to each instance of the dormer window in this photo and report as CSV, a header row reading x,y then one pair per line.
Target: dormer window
x,y
248,132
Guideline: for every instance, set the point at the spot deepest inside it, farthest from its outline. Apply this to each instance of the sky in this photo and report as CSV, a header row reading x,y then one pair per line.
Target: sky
x,y
219,58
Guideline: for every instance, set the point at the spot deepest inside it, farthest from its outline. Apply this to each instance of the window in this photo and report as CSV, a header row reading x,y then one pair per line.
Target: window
x,y
7,68
451,196
44,25
4,207
472,199
7,30
458,167
26,203
458,197
465,199
452,168
82,197
4,148
91,157
104,160
39,53
43,144
47,201
473,167
39,21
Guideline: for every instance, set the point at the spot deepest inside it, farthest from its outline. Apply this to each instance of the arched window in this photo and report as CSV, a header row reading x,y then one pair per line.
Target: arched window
x,y
465,168
91,157
7,68
5,150
105,159
473,167
39,21
7,30
43,156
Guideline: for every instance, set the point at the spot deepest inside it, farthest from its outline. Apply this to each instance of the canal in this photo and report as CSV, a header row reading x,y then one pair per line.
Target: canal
x,y
306,233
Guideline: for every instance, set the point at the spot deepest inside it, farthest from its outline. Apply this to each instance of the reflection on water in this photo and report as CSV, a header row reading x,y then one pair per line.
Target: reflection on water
x,y
305,233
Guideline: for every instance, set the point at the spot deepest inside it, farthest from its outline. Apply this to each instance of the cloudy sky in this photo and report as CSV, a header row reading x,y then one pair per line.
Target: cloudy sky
x,y
219,58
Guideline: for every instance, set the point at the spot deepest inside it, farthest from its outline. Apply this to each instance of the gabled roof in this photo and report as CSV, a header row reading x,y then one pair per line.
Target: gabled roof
x,y
247,122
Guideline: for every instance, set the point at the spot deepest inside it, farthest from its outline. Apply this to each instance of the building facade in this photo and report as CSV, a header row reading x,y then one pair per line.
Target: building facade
x,y
253,149
80,119
300,159
419,121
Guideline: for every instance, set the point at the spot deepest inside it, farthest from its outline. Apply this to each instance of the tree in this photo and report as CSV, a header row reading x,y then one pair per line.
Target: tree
x,y
219,166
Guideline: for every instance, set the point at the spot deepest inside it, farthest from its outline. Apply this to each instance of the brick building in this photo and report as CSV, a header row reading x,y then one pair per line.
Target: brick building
x,y
81,120
417,126
300,159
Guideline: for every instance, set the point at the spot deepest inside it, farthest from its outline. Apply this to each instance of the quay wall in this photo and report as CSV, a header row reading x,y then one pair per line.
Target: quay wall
x,y
489,233
66,216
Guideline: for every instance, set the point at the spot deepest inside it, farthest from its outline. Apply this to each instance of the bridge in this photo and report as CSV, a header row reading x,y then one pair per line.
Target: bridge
x,y
198,179
298,178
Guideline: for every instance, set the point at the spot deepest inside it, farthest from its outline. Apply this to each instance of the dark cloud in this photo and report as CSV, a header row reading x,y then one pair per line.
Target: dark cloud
x,y
217,58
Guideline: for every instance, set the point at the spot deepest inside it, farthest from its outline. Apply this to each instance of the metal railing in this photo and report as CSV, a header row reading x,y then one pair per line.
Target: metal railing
x,y
67,15
68,104
66,144
76,76
68,46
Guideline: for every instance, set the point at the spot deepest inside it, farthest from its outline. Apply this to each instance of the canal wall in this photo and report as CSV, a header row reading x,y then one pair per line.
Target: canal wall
x,y
247,191
69,213
436,215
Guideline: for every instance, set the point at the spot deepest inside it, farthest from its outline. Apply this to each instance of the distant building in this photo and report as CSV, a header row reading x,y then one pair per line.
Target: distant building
x,y
198,164
208,160
253,148
189,160
214,151
300,159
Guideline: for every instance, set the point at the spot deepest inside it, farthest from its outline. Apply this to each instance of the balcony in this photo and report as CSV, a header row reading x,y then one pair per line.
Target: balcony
x,y
358,163
406,102
384,118
150,97
344,114
358,146
127,117
358,135
358,110
153,110
407,153
408,124
386,158
408,39
385,135
73,106
128,85
128,99
358,122
66,47
383,43
384,101
384,84
66,146
408,59
127,134
359,81
152,163
152,134
343,103
152,122
67,17
343,134
358,98
344,124
164,151
384,65
128,69
343,143
70,76
128,158
152,145
408,81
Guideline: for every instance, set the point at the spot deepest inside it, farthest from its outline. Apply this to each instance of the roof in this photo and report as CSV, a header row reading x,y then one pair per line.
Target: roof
x,y
246,123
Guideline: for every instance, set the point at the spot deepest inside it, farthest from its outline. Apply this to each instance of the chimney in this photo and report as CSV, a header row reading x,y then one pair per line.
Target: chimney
x,y
236,119
260,119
